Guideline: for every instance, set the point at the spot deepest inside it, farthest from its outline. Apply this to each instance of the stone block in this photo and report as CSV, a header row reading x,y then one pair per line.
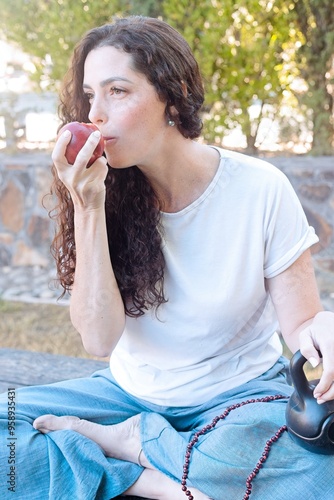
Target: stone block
x,y
323,229
332,204
15,166
28,256
38,230
300,172
326,265
329,174
5,256
6,238
12,208
43,183
315,192
25,180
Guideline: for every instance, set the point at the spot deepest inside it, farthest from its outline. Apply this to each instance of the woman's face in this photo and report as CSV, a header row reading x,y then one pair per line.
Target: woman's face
x,y
125,107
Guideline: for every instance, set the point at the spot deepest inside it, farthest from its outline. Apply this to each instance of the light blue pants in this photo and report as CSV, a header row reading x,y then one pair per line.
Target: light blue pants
x,y
63,465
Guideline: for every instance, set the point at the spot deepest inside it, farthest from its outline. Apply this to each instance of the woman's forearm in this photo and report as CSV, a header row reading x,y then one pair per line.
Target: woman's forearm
x,y
96,307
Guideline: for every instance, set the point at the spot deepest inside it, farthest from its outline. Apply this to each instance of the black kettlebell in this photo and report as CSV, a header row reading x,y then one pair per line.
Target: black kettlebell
x,y
309,424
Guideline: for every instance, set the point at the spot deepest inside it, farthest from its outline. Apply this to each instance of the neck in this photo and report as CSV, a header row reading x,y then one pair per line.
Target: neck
x,y
183,174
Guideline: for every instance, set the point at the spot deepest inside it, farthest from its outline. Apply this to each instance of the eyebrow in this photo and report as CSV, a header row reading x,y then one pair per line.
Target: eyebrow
x,y
106,82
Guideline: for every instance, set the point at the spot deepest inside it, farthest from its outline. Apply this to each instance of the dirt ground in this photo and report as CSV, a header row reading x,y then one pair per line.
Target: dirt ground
x,y
39,327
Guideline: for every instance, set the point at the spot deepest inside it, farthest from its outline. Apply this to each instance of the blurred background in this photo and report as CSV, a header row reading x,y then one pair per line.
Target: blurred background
x,y
268,67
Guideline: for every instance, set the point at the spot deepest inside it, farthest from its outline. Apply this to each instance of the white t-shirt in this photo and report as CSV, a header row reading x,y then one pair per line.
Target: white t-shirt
x,y
218,328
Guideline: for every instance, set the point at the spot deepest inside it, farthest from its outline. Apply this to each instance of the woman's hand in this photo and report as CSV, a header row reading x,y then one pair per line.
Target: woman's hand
x,y
317,337
96,306
86,185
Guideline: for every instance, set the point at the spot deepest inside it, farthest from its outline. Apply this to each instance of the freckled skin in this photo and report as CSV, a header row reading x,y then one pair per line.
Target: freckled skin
x,y
127,109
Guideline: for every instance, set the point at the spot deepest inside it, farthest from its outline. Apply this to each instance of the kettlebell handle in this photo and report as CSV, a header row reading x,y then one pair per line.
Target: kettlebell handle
x,y
298,376
311,425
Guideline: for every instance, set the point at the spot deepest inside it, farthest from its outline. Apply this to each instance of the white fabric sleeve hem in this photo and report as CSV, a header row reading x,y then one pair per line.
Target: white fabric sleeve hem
x,y
309,239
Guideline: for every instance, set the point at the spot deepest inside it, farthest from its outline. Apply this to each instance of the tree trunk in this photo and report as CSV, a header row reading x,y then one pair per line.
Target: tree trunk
x,y
323,128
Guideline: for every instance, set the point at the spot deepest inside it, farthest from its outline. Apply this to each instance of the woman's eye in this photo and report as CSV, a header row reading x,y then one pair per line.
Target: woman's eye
x,y
113,91
89,96
116,91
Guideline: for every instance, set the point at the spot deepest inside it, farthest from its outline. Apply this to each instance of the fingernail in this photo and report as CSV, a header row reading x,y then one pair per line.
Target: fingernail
x,y
67,133
313,362
320,401
97,133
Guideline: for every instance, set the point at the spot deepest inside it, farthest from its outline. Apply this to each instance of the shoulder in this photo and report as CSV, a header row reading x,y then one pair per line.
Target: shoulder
x,y
250,163
251,172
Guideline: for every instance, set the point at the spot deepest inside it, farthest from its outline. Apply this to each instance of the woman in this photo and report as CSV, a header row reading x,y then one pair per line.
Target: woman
x,y
180,259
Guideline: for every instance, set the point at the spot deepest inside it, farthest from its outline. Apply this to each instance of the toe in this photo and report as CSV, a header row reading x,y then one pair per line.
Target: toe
x,y
95,432
48,423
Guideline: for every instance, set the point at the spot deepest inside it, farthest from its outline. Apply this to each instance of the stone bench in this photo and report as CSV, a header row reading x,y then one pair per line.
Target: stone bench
x,y
20,368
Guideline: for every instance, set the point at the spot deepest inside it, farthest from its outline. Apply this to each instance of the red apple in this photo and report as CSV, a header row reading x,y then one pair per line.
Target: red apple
x,y
80,133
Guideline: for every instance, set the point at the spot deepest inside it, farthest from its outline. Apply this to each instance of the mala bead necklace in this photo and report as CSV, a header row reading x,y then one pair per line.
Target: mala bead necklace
x,y
209,427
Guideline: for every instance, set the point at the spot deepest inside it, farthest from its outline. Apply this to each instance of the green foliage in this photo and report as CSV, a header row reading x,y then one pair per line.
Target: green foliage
x,y
240,48
49,30
151,8
246,51
315,20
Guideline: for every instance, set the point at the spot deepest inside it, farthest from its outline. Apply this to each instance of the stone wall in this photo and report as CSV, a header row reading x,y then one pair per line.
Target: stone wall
x,y
313,180
26,230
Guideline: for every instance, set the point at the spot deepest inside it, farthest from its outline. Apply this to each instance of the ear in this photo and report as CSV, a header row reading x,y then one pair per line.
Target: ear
x,y
172,112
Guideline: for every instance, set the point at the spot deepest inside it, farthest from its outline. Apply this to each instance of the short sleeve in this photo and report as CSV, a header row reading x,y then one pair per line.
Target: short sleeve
x,y
288,233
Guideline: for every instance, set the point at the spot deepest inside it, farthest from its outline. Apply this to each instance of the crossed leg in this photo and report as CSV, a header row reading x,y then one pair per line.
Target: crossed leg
x,y
121,441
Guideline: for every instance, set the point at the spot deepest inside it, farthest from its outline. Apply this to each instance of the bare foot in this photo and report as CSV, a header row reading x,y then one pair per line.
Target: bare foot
x,y
120,441
153,484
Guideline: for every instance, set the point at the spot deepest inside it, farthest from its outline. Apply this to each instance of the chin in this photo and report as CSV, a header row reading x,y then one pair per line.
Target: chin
x,y
113,161
118,165
118,162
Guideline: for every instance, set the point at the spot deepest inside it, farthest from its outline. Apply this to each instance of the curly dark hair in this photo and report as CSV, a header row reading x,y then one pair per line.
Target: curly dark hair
x,y
132,208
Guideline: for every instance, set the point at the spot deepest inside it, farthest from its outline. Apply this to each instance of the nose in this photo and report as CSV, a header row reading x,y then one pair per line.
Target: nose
x,y
97,113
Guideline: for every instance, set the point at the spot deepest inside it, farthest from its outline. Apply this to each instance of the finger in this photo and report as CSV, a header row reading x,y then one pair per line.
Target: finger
x,y
307,347
324,395
325,386
99,163
58,154
88,149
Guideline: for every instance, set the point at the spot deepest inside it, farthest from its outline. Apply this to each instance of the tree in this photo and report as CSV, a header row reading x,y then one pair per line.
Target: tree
x,y
240,47
246,50
315,19
48,31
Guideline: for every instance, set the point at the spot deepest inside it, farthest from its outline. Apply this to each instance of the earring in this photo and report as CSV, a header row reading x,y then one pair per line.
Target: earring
x,y
171,123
